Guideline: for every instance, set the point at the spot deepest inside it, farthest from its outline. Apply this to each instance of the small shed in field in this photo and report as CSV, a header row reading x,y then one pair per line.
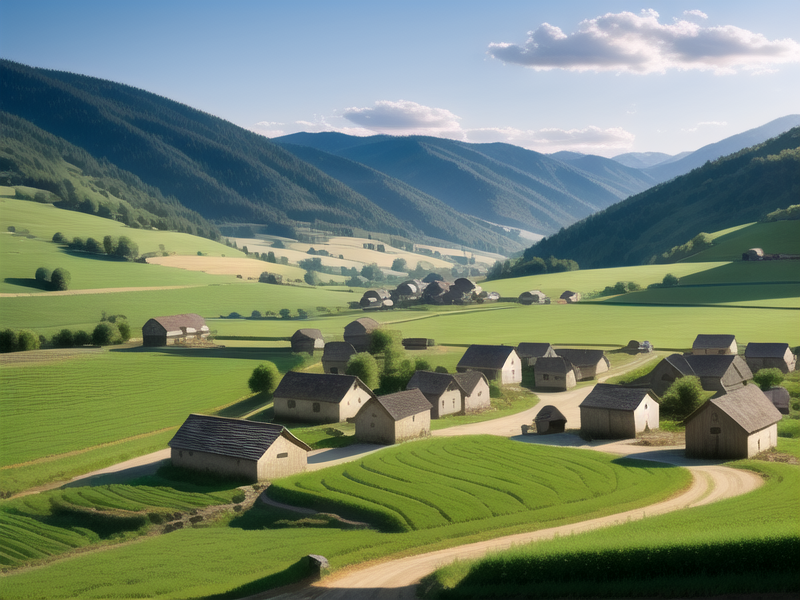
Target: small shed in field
x,y
570,297
394,418
550,420
417,343
590,362
530,352
409,290
753,254
532,297
737,425
335,357
617,412
556,373
496,362
359,333
442,390
374,298
770,356
161,331
714,344
319,397
779,396
251,450
307,340
476,387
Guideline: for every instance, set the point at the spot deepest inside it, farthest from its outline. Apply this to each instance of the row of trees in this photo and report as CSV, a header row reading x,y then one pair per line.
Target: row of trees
x,y
122,247
532,265
104,334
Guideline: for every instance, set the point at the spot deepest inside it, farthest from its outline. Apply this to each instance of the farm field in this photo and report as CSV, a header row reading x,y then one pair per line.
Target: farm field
x,y
248,268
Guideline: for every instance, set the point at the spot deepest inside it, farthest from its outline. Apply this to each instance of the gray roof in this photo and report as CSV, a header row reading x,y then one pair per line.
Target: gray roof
x,y
470,379
307,334
486,357
550,413
679,362
718,365
533,349
404,404
553,364
779,396
765,350
430,382
321,387
615,397
582,357
236,438
176,322
362,325
747,406
713,341
341,351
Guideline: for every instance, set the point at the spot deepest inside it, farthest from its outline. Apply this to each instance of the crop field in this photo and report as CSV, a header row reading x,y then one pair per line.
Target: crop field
x,y
259,549
725,547
248,268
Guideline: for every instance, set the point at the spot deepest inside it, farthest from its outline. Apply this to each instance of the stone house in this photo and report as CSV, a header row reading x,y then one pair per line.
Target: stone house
x,y
496,362
307,340
237,448
335,357
556,373
770,356
319,397
161,331
550,420
617,412
359,333
442,390
476,387
714,344
530,352
394,418
736,425
590,363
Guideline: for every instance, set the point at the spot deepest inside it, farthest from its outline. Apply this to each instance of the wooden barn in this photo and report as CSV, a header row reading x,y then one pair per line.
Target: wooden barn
x,y
335,357
550,420
590,363
496,362
556,373
770,356
737,425
394,418
442,390
617,412
530,352
417,343
359,333
476,387
307,340
714,344
161,331
374,299
533,297
250,450
569,297
319,397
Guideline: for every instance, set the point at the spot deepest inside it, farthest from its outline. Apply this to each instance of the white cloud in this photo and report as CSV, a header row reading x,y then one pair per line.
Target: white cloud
x,y
640,44
707,124
695,13
403,118
590,140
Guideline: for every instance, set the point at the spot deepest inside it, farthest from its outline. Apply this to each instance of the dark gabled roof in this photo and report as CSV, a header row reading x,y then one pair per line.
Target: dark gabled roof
x,y
765,350
321,387
553,364
176,322
430,382
678,361
747,406
341,351
615,397
567,294
550,413
307,334
717,365
581,357
533,349
362,325
470,379
236,438
779,396
486,357
713,341
403,404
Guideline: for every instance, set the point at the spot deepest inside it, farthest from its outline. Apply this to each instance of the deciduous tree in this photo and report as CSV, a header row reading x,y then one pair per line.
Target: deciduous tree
x,y
264,378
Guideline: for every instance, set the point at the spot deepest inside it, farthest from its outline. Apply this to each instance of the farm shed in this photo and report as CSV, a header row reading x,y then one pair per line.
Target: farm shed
x,y
530,352
237,448
714,344
359,333
436,292
556,373
417,343
319,397
476,387
160,331
737,425
550,420
753,254
335,357
394,418
635,347
496,362
485,297
374,298
442,390
532,297
570,297
617,412
589,362
411,289
779,396
307,340
770,356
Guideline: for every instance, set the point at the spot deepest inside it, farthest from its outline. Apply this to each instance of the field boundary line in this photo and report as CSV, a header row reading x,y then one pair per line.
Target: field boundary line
x,y
98,291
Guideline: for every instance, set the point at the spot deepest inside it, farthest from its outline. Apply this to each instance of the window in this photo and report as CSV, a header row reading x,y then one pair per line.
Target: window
x,y
283,455
413,418
291,403
315,407
479,393
442,403
546,377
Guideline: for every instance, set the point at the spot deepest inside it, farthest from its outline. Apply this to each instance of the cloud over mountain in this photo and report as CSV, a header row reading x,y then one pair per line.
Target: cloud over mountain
x,y
403,116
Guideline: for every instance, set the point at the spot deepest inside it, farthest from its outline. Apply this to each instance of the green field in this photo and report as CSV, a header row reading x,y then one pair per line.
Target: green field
x,y
773,238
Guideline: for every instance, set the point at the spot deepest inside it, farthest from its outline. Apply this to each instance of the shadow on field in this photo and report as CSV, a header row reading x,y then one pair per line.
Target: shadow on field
x,y
29,283
282,357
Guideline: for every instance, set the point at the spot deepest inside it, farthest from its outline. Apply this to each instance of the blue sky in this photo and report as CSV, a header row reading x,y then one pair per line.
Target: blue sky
x,y
590,76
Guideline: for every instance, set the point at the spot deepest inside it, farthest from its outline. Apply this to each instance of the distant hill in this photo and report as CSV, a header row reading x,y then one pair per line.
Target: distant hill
x,y
642,160
736,189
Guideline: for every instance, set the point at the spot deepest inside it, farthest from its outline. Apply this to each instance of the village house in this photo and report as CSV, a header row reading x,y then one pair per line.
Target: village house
x,y
737,425
318,397
555,373
335,357
770,356
590,363
442,390
721,373
307,340
500,363
359,333
533,297
476,388
394,418
160,331
237,448
550,420
617,412
530,352
714,344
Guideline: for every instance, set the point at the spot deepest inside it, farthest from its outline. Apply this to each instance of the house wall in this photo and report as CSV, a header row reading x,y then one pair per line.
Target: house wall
x,y
728,439
732,349
602,423
281,459
449,403
647,414
479,399
374,425
340,366
787,364
412,427
556,381
512,370
323,412
214,463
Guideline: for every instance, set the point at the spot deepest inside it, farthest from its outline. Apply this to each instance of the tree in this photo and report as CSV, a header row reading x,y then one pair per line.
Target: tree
x,y
372,272
270,257
82,338
106,334
682,397
124,329
421,364
43,275
27,340
92,245
60,279
311,278
364,366
127,248
669,280
64,339
302,313
8,340
399,264
256,314
285,313
264,378
441,369
768,378
59,238
384,339
108,245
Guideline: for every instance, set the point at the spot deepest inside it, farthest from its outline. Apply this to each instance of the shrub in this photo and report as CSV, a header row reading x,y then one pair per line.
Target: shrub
x,y
264,378
59,238
364,366
669,280
124,329
302,313
285,313
28,340
311,278
767,378
60,279
441,369
106,334
8,340
64,339
82,338
421,364
43,275
256,314
682,397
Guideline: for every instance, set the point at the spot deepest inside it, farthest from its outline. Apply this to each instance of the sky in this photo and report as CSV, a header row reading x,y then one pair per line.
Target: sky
x,y
598,77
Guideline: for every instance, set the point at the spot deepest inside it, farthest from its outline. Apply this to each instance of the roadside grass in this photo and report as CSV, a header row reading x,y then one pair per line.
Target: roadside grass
x,y
773,238
260,548
727,547
637,373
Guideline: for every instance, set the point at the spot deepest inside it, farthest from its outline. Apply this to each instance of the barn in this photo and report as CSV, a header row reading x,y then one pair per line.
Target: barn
x,y
714,344
237,448
374,299
496,362
555,372
394,418
359,333
160,331
737,425
476,387
319,397
569,297
550,420
307,340
442,390
533,297
589,362
410,290
436,292
770,356
530,352
617,412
